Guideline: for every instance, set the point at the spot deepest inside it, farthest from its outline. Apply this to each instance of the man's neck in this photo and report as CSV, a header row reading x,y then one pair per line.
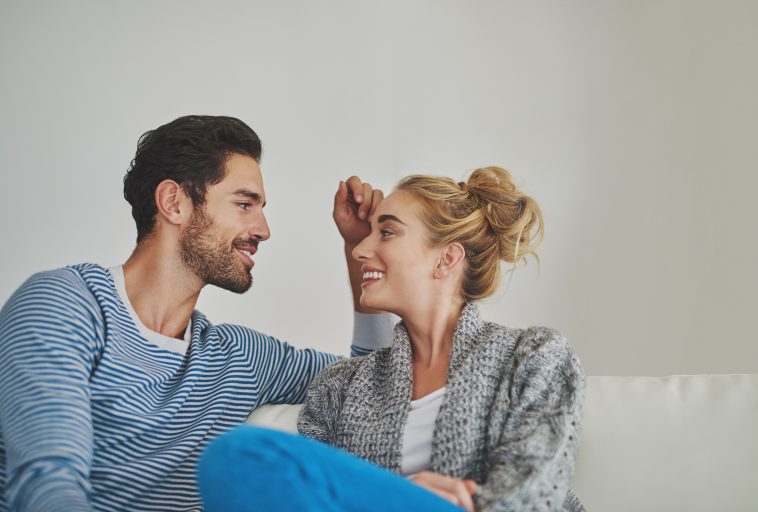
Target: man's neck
x,y
162,291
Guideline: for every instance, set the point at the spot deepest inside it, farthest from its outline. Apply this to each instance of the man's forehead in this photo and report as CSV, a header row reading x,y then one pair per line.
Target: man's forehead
x,y
241,173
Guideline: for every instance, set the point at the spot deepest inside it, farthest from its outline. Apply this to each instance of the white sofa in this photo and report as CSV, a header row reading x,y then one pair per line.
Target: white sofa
x,y
682,443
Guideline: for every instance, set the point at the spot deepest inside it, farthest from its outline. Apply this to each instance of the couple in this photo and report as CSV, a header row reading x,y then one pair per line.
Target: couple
x,y
111,384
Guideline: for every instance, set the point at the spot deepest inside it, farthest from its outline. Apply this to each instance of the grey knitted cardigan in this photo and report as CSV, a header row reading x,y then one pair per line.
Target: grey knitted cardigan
x,y
510,418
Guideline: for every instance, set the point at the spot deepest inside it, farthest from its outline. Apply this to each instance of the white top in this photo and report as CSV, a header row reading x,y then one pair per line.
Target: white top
x,y
416,454
161,340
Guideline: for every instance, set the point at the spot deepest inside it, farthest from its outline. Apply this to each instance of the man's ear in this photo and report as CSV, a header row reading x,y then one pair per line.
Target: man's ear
x,y
172,203
450,260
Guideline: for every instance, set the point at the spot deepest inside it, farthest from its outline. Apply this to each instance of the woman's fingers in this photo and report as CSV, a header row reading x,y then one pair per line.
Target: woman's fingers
x,y
452,498
355,188
363,195
452,489
377,196
365,206
471,486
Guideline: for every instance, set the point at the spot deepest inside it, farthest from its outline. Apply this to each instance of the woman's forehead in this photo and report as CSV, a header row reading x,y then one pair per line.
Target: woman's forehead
x,y
398,203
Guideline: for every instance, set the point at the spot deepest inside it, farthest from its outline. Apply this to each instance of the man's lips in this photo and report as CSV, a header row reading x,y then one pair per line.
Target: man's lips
x,y
247,253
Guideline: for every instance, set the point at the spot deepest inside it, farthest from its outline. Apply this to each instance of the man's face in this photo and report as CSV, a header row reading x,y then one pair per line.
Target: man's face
x,y
223,234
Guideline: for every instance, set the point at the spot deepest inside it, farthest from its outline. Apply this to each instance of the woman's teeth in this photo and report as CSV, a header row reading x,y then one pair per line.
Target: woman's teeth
x,y
372,275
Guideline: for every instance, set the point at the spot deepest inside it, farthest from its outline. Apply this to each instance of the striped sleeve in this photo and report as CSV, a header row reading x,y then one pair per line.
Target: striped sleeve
x,y
281,372
47,351
292,371
284,372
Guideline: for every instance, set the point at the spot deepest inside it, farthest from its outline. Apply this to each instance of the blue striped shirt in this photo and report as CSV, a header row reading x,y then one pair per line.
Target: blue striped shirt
x,y
93,416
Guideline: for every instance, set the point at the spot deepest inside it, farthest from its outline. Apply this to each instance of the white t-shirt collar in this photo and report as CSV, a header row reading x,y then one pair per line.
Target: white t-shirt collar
x,y
178,346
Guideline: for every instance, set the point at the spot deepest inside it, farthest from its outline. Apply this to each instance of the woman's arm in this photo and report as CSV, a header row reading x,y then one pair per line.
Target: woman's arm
x,y
324,399
531,466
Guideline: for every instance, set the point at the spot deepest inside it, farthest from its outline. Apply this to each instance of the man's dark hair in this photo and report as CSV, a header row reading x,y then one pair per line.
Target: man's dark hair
x,y
192,151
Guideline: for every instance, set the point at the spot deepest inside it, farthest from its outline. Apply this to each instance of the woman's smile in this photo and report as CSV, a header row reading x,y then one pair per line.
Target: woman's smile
x,y
371,275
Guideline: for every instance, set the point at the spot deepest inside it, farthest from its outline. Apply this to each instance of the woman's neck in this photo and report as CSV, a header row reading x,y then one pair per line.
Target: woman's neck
x,y
431,333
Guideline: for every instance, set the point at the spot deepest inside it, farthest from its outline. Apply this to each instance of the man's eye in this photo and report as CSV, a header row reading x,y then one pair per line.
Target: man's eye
x,y
244,205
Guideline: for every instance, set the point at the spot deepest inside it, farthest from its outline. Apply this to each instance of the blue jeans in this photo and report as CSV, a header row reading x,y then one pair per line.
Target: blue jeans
x,y
252,468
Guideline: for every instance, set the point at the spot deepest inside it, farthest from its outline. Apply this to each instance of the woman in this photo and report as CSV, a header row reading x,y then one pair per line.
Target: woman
x,y
480,415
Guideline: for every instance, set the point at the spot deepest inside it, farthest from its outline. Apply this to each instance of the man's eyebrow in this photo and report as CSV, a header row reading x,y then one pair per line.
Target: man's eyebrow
x,y
385,218
255,197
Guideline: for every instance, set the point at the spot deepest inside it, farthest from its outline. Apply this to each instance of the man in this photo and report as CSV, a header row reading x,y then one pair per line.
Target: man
x,y
111,383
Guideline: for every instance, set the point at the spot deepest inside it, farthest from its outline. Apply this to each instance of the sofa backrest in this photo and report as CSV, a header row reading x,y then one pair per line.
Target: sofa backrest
x,y
686,443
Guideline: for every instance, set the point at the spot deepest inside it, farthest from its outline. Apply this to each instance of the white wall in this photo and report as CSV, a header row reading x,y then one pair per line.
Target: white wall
x,y
634,124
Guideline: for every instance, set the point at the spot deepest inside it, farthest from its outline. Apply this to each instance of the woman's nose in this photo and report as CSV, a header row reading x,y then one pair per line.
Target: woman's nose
x,y
361,251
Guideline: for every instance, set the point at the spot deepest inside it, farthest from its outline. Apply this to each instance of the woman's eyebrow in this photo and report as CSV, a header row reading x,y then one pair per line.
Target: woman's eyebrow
x,y
385,218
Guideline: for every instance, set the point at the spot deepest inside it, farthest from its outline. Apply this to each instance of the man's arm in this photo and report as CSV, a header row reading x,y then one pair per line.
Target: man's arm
x,y
283,371
47,335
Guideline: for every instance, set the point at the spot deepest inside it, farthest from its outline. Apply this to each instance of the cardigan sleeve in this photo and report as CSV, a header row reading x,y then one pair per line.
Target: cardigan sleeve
x,y
531,466
324,399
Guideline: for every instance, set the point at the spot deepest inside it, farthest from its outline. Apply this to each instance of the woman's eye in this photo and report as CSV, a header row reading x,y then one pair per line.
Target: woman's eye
x,y
384,233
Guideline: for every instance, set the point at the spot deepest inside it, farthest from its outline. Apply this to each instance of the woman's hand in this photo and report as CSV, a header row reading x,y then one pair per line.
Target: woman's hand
x,y
457,491
354,203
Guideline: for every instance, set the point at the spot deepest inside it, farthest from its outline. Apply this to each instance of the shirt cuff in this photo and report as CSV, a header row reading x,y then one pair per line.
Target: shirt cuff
x,y
371,332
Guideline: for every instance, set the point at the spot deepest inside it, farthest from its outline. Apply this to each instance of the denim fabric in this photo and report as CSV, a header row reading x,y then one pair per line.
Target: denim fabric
x,y
257,469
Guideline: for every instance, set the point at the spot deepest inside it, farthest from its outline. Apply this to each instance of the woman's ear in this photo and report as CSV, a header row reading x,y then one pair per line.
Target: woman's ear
x,y
451,258
173,204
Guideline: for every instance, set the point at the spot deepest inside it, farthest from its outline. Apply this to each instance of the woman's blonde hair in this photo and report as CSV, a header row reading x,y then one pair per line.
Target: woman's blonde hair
x,y
487,215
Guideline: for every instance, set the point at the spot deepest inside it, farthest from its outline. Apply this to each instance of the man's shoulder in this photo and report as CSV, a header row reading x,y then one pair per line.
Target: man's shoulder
x,y
66,290
74,275
63,298
64,281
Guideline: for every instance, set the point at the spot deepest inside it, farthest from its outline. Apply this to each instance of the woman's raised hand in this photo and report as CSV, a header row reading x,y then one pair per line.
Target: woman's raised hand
x,y
457,491
354,203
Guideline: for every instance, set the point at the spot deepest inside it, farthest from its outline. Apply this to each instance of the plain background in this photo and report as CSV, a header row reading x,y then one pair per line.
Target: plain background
x,y
634,124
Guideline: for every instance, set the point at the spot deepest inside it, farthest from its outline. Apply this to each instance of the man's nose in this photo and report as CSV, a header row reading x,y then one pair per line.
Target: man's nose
x,y
259,230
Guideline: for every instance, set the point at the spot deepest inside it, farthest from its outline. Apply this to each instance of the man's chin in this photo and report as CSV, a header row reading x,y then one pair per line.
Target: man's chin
x,y
236,286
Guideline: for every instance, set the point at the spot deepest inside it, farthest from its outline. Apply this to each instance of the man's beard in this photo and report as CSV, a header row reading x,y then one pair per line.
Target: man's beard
x,y
213,261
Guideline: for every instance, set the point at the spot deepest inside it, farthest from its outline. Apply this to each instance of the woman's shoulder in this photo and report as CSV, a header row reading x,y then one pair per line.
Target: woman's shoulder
x,y
536,344
530,338
340,369
542,339
344,370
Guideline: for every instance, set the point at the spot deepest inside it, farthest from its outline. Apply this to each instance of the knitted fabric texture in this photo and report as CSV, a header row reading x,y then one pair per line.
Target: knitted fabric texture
x,y
510,419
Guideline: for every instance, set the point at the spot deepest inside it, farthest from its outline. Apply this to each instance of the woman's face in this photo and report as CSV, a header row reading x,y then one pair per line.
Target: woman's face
x,y
398,260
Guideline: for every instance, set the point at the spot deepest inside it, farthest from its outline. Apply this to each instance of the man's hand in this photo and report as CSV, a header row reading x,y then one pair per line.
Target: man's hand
x,y
354,203
457,491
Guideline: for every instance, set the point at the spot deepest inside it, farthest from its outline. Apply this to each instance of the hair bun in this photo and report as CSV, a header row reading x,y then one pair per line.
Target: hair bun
x,y
511,215
486,214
